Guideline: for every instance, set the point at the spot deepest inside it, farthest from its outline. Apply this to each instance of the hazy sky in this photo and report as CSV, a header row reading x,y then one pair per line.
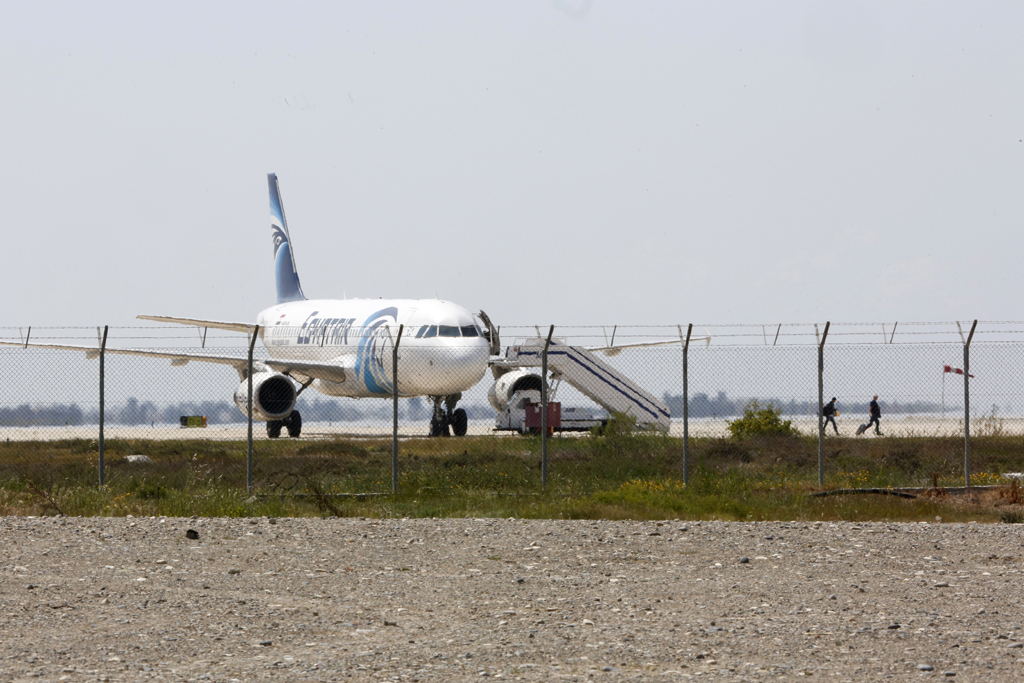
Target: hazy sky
x,y
643,162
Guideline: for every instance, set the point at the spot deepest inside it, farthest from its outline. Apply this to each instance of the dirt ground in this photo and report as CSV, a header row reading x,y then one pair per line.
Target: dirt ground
x,y
115,599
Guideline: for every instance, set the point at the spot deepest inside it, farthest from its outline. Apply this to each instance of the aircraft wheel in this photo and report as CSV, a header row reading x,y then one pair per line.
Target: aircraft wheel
x,y
273,429
460,422
439,427
294,424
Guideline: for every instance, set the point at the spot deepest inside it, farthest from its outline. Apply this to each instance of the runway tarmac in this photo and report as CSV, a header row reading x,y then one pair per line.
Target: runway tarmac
x,y
895,426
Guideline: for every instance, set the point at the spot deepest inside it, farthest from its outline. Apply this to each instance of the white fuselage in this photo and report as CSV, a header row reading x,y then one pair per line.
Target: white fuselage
x,y
442,350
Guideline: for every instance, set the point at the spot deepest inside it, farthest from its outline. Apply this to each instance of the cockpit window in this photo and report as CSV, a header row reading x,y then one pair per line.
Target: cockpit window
x,y
470,331
448,331
427,331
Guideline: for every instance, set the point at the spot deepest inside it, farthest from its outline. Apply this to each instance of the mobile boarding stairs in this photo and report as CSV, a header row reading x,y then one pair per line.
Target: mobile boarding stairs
x,y
590,375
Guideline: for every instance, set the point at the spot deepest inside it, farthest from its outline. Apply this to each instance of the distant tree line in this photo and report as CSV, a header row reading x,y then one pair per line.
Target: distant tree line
x,y
135,412
702,405
324,409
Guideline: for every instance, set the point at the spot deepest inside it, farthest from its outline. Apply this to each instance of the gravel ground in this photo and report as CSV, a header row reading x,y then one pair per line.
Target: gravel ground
x,y
463,599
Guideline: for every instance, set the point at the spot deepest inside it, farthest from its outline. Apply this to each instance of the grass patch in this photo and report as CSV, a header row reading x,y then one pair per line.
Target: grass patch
x,y
613,475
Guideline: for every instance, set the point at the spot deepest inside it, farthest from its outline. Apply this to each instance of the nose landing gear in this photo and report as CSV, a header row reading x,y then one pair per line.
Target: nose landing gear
x,y
447,418
293,423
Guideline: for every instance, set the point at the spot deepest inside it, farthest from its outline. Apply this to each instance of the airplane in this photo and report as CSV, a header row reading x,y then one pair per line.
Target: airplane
x,y
342,347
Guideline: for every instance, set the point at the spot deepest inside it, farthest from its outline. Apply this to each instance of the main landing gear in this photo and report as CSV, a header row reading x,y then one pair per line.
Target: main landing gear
x,y
293,423
448,417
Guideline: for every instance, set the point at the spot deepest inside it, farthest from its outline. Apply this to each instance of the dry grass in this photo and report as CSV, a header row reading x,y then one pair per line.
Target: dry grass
x,y
618,475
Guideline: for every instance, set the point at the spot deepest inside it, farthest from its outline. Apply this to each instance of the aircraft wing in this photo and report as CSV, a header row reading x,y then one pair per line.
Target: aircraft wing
x,y
614,350
240,363
213,324
298,370
330,372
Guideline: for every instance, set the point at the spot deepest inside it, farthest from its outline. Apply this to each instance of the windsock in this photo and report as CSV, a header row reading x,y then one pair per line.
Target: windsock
x,y
955,371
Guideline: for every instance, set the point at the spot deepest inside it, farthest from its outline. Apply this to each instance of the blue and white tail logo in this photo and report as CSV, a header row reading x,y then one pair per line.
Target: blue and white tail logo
x,y
288,287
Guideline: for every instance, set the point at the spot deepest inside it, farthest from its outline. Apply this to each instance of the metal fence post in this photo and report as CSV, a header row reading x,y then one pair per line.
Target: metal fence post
x,y
821,406
967,407
544,410
103,379
686,403
394,424
248,458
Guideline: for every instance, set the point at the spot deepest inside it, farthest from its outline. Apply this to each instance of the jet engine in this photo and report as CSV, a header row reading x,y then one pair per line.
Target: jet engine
x,y
508,384
273,396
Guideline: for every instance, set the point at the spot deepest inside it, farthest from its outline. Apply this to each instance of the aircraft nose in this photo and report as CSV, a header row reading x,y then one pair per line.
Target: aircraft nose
x,y
470,360
477,350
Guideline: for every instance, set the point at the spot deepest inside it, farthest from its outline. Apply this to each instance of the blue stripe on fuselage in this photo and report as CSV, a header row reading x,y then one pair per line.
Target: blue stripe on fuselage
x,y
369,358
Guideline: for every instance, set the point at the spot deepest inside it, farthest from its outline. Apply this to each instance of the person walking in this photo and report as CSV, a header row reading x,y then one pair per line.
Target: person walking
x,y
830,412
875,415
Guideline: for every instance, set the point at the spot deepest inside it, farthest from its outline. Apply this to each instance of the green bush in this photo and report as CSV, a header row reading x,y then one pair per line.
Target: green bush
x,y
152,491
761,420
617,425
1012,517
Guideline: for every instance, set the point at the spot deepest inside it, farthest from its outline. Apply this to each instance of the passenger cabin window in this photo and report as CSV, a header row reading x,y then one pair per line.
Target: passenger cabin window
x,y
470,331
448,331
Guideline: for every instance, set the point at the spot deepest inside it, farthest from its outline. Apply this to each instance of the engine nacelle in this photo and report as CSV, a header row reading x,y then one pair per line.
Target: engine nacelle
x,y
509,383
273,396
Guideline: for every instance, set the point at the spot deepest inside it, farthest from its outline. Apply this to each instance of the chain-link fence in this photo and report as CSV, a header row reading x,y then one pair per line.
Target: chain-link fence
x,y
367,411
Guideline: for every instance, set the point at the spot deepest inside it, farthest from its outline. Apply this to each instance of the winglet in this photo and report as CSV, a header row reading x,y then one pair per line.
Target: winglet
x,y
288,286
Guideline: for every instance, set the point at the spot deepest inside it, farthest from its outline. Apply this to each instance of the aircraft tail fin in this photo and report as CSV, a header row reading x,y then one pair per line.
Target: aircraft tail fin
x,y
288,286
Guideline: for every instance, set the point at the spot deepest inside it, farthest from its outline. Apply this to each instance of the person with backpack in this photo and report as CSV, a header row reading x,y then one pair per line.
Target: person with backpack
x,y
830,412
